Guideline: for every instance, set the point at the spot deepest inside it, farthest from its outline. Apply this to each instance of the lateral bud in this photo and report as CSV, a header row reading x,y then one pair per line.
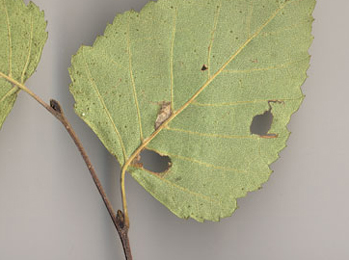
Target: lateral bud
x,y
55,106
120,218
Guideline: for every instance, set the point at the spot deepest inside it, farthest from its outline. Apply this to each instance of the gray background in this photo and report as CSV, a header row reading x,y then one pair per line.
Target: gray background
x,y
50,209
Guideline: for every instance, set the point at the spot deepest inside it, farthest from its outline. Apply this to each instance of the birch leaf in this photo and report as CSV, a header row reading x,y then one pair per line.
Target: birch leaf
x,y
185,78
22,38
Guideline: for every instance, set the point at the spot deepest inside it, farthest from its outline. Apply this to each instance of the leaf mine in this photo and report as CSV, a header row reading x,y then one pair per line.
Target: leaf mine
x,y
164,113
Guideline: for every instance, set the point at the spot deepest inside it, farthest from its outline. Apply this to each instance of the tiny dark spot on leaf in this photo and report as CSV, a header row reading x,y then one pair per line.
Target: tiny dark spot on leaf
x,y
204,67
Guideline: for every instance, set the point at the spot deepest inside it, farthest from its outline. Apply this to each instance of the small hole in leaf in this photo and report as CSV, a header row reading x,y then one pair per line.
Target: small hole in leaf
x,y
154,162
204,67
261,123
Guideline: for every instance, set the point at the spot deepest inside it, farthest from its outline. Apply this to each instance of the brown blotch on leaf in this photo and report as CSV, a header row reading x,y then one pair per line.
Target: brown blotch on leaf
x,y
275,101
164,113
136,162
269,136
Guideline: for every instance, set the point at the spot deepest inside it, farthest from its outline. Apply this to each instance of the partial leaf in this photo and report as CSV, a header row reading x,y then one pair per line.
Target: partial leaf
x,y
185,78
22,38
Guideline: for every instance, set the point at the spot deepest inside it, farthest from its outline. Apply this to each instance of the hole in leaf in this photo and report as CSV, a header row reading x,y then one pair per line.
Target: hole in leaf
x,y
154,162
204,67
261,123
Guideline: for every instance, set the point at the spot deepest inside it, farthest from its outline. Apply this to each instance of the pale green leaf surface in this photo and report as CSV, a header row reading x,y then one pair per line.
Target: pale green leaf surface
x,y
256,52
22,38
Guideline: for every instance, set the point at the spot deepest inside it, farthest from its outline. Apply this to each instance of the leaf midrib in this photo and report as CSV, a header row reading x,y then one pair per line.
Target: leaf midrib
x,y
208,82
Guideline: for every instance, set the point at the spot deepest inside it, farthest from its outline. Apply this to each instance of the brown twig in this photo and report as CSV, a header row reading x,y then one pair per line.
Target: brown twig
x,y
56,110
118,219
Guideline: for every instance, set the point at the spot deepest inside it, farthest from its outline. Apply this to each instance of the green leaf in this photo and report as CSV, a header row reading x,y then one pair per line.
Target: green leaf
x,y
22,38
185,79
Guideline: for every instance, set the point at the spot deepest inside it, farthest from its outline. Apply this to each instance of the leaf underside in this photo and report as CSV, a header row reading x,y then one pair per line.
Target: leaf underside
x,y
217,64
22,38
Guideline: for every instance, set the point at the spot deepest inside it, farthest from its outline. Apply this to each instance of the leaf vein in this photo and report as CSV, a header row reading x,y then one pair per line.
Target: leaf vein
x,y
279,66
173,185
211,135
171,56
93,84
284,29
208,165
9,38
132,79
215,22
30,48
249,20
242,102
13,90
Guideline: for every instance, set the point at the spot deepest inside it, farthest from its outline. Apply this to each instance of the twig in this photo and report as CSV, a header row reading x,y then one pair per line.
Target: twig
x,y
56,110
118,219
